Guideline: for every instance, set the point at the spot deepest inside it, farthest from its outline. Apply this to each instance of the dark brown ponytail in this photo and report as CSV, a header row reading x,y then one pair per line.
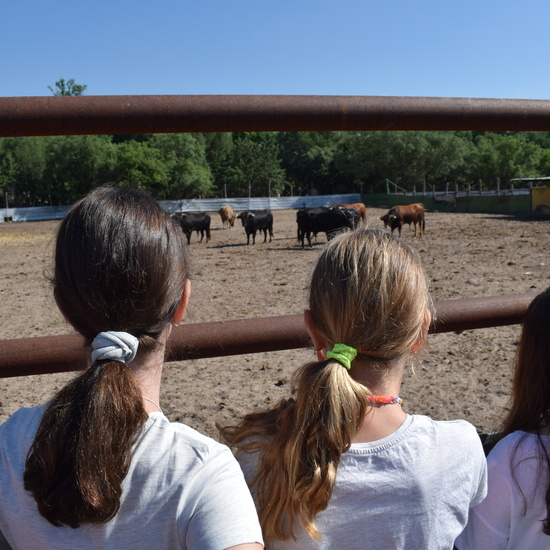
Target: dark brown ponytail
x,y
97,416
121,265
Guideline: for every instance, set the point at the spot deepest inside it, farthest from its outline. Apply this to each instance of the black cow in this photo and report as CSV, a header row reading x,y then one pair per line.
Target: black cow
x,y
189,222
326,219
257,220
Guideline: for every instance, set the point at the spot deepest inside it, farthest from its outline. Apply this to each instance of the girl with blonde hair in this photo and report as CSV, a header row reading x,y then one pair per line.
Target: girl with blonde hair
x,y
341,465
100,466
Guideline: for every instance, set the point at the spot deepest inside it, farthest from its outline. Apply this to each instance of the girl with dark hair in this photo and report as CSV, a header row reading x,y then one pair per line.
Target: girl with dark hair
x,y
100,466
341,465
516,512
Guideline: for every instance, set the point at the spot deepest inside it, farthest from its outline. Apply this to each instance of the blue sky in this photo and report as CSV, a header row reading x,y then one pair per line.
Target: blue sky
x,y
447,48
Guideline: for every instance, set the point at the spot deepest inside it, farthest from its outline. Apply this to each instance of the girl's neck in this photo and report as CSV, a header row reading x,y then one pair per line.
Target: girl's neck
x,y
379,379
148,372
381,420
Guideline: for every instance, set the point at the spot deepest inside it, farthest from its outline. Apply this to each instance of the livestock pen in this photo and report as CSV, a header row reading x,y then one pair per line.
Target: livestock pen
x,y
150,114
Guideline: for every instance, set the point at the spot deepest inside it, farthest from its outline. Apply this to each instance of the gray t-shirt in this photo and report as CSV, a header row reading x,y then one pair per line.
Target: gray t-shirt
x,y
411,490
183,490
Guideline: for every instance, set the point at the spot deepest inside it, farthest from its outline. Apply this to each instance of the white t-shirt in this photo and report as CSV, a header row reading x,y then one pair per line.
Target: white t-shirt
x,y
501,520
411,490
183,491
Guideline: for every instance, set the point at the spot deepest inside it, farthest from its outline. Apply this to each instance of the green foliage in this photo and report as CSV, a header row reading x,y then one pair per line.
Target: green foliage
x,y
77,164
140,166
308,160
38,171
505,157
185,158
68,88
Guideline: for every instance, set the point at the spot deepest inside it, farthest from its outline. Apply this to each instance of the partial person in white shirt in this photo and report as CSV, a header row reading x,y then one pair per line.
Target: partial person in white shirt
x,y
100,466
516,513
341,465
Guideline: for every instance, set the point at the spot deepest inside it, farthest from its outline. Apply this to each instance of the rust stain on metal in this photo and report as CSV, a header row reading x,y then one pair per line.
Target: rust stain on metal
x,y
43,355
49,115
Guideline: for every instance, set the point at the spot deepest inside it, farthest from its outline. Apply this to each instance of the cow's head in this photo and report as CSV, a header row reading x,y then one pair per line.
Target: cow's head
x,y
242,216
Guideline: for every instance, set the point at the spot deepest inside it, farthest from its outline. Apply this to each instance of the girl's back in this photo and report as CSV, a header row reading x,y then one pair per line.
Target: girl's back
x,y
409,490
176,486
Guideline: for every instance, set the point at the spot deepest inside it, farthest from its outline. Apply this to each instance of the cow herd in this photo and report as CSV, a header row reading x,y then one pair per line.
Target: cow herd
x,y
310,221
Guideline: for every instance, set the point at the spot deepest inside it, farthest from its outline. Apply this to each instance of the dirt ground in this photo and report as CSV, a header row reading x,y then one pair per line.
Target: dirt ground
x,y
464,375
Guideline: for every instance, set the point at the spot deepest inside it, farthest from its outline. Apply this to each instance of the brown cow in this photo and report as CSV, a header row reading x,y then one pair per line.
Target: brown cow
x,y
359,206
398,215
227,215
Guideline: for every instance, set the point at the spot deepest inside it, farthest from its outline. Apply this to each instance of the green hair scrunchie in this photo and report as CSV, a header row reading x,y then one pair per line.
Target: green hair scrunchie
x,y
343,354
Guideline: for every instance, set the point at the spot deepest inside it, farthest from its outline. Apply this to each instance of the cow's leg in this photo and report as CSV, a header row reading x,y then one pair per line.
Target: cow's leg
x,y
308,235
207,234
265,234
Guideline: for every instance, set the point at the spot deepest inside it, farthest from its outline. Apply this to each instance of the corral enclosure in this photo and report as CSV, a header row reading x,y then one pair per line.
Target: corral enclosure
x,y
464,375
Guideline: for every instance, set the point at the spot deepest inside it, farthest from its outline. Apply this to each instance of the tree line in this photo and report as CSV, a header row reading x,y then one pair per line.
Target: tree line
x,y
57,170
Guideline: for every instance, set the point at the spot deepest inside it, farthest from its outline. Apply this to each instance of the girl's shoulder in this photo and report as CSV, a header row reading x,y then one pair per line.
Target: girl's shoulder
x,y
24,421
160,433
519,443
445,429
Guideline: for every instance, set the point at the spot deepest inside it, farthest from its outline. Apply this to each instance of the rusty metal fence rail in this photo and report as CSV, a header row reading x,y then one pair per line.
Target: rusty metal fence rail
x,y
24,356
40,116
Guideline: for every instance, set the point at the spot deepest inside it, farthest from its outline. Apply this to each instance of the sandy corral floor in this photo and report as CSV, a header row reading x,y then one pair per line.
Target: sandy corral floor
x,y
464,375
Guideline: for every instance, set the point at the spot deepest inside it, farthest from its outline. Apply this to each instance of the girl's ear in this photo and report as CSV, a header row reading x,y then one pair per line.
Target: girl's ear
x,y
419,344
319,344
179,314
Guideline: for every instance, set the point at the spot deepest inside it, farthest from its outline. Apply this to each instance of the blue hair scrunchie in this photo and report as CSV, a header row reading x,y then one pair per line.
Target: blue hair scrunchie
x,y
114,346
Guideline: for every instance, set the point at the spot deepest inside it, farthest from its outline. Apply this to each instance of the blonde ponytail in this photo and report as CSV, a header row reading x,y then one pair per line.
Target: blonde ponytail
x,y
301,442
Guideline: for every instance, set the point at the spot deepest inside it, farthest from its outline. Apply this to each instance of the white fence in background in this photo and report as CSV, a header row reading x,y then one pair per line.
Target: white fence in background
x,y
39,213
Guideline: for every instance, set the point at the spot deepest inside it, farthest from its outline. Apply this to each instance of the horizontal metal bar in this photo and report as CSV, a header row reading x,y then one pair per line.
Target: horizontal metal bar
x,y
24,356
134,114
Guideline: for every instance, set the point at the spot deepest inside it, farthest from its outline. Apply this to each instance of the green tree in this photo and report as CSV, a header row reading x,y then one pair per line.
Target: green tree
x,y
505,157
256,167
184,156
8,172
70,87
22,165
141,166
219,156
77,164
308,159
